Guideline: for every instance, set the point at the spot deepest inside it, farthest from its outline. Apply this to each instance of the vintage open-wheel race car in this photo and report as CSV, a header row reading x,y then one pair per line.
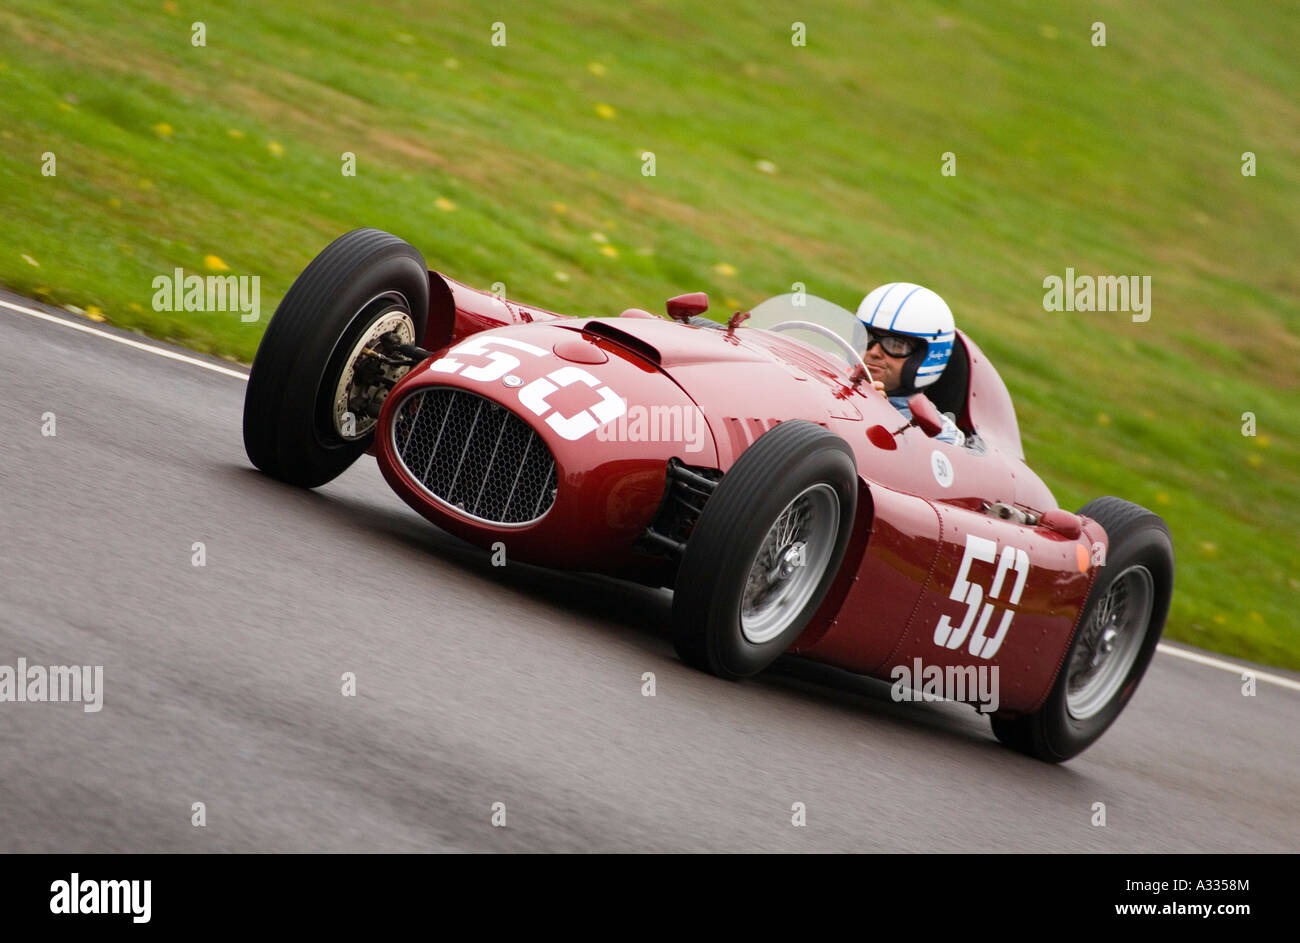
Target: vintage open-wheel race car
x,y
752,467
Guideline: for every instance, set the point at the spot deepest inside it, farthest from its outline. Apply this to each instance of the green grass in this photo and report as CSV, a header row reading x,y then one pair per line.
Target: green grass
x,y
1120,160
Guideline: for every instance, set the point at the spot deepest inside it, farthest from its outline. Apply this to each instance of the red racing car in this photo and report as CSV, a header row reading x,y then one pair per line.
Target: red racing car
x,y
752,467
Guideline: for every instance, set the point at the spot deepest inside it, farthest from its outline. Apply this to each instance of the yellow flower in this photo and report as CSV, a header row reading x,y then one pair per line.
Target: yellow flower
x,y
731,303
114,202
169,6
1162,498
1209,547
606,111
725,269
1262,441
599,237
1103,419
444,204
1254,461
276,149
609,251
135,307
64,106
559,208
1049,32
215,264
561,276
94,313
234,132
163,129
596,68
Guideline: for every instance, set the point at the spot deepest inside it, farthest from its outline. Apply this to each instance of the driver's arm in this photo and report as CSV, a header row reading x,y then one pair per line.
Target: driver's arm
x,y
950,433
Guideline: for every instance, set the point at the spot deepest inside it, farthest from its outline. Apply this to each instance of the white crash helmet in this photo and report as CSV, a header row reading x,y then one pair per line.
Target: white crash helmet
x,y
904,308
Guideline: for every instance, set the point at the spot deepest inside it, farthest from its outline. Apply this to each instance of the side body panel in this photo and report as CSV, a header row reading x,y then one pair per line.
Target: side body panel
x,y
1001,594
884,589
951,586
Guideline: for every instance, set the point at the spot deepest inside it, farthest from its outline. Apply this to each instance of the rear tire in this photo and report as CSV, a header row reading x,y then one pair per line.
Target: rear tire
x,y
765,550
290,428
1131,594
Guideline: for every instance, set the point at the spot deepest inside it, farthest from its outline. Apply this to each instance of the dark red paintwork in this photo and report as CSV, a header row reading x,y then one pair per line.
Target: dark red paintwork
x,y
911,533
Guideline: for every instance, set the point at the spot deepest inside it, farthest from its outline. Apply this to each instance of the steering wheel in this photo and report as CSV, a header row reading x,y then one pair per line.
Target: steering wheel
x,y
854,357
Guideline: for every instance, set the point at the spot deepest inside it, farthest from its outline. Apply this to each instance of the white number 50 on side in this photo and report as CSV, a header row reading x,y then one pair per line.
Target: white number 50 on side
x,y
972,594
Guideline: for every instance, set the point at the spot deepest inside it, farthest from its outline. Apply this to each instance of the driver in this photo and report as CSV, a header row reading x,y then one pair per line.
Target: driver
x,y
909,333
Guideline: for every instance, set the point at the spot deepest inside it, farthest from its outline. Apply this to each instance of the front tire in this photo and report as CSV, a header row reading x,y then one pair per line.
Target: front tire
x,y
765,550
1118,631
297,426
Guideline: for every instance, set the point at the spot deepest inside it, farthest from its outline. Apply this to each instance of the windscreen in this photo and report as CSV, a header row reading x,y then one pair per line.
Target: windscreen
x,y
810,309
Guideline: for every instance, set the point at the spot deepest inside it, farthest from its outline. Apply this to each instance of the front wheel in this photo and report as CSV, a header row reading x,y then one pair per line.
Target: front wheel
x,y
316,385
765,550
1116,637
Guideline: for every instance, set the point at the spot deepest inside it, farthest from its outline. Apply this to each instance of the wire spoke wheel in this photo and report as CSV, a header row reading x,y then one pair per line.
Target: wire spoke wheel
x,y
766,548
789,563
1118,631
1110,644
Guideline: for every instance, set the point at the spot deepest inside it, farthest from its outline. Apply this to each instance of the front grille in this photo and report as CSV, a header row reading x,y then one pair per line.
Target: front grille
x,y
474,455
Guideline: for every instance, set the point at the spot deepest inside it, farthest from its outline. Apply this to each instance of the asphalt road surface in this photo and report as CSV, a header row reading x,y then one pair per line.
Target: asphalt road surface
x,y
478,685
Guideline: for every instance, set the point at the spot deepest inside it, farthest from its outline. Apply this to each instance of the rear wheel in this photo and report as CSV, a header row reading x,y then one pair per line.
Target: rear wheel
x,y
316,384
765,550
1117,635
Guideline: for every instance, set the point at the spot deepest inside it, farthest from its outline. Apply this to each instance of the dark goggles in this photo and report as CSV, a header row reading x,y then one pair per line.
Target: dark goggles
x,y
895,345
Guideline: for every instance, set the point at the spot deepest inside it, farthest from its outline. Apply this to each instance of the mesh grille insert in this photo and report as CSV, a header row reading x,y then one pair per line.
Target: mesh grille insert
x,y
475,455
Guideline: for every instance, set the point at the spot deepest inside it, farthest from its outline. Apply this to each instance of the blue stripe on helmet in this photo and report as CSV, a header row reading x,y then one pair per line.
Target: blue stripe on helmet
x,y
892,286
900,306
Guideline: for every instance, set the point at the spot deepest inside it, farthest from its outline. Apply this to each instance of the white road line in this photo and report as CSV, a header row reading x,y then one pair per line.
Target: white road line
x,y
215,368
117,339
1238,670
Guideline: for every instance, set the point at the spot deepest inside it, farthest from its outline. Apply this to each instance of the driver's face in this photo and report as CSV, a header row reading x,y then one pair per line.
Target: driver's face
x,y
883,367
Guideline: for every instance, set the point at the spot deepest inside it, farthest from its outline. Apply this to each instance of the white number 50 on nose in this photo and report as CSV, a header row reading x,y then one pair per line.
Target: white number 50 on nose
x,y
533,396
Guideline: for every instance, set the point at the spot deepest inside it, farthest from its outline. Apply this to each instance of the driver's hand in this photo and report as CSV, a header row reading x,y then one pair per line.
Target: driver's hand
x,y
858,375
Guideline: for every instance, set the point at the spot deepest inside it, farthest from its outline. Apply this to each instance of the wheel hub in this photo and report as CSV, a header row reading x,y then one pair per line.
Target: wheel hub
x,y
788,560
789,564
1105,645
366,378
